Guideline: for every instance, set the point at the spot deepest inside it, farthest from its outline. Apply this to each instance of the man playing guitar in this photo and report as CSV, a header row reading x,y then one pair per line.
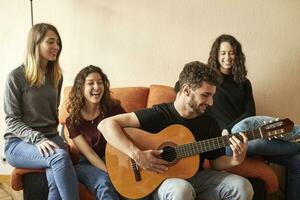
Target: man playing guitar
x,y
197,87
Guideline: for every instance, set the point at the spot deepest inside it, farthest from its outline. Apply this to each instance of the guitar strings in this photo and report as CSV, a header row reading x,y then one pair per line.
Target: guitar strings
x,y
186,150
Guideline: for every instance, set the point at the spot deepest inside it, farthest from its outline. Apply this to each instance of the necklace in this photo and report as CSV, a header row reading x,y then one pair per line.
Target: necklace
x,y
101,115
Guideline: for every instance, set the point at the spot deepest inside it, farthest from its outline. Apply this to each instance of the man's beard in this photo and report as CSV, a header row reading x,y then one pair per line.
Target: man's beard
x,y
196,109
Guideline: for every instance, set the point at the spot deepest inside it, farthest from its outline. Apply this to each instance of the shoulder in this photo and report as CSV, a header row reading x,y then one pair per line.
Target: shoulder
x,y
115,108
61,80
162,106
247,83
68,122
17,73
16,78
155,112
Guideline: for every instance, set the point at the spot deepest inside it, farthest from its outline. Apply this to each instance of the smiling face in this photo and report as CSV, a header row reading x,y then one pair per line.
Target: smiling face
x,y
226,57
200,98
49,47
93,88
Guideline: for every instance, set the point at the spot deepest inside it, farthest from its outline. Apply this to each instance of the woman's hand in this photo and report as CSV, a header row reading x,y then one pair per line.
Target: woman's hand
x,y
46,147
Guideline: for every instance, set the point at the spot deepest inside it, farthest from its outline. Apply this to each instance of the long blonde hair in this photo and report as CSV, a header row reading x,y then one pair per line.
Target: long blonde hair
x,y
34,74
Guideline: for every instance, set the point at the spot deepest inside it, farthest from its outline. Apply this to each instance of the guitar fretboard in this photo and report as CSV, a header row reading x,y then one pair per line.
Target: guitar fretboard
x,y
202,146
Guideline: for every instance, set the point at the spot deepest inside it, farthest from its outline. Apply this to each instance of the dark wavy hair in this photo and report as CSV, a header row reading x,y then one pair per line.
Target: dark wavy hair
x,y
76,98
194,73
239,70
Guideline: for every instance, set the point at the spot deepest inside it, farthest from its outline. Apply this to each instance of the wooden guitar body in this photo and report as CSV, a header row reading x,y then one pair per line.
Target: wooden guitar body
x,y
120,168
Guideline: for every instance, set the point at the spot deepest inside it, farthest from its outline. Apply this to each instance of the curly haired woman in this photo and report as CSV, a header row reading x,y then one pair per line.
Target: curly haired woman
x,y
89,103
234,102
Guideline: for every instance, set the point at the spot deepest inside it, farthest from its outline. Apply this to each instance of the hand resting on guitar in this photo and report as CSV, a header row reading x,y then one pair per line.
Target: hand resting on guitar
x,y
150,160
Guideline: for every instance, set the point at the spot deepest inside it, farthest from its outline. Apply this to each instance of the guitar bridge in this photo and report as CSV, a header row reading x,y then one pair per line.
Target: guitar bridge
x,y
136,170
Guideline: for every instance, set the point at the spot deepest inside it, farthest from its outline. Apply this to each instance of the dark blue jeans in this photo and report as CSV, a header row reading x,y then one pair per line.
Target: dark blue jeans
x,y
279,151
61,176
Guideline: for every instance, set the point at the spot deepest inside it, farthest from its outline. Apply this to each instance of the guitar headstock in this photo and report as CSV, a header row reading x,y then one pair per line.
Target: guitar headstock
x,y
277,129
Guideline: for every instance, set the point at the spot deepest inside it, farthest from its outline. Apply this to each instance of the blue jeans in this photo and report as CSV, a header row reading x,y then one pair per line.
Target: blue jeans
x,y
279,151
205,185
61,176
96,180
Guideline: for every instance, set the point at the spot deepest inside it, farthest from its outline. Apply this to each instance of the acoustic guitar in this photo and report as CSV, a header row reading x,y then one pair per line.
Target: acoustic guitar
x,y
180,150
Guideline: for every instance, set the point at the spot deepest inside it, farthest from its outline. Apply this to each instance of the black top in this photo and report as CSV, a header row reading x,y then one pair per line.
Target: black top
x,y
203,127
232,102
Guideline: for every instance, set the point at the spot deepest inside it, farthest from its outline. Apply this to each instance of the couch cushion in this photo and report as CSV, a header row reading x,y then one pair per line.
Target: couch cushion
x,y
132,98
160,94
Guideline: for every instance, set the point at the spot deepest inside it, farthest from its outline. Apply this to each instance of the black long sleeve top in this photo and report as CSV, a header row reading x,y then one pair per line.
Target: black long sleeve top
x,y
232,102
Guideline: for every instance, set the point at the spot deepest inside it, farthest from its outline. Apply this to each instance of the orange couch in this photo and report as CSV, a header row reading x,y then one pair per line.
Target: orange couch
x,y
134,98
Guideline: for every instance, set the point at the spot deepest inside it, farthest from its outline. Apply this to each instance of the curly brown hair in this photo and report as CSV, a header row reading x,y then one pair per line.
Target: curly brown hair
x,y
76,98
194,73
239,70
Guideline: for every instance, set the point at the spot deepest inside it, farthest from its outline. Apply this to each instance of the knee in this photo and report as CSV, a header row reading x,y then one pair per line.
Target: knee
x,y
257,146
242,188
178,189
60,157
104,189
104,181
247,187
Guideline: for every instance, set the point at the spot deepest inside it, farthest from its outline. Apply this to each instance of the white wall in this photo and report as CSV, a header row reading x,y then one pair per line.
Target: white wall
x,y
140,42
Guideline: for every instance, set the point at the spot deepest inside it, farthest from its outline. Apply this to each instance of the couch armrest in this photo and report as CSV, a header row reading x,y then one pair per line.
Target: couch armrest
x,y
16,178
257,168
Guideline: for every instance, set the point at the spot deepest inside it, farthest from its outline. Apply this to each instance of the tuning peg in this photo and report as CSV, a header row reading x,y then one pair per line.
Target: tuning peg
x,y
273,120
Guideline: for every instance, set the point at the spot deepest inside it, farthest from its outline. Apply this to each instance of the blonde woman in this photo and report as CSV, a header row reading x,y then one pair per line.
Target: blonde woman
x,y
31,102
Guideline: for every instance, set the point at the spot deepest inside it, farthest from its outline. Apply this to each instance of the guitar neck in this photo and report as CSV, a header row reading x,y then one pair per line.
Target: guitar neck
x,y
202,146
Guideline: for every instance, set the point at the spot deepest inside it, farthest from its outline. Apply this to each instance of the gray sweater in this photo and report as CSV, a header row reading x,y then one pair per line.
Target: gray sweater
x,y
31,113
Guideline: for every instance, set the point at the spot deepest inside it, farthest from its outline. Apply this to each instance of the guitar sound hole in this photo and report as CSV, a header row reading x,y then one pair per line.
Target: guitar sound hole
x,y
169,154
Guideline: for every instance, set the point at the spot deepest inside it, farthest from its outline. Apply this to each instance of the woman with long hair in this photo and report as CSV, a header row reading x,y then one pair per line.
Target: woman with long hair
x,y
89,103
234,102
31,100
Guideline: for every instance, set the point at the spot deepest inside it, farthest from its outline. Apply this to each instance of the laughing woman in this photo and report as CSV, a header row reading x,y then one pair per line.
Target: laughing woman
x,y
89,103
